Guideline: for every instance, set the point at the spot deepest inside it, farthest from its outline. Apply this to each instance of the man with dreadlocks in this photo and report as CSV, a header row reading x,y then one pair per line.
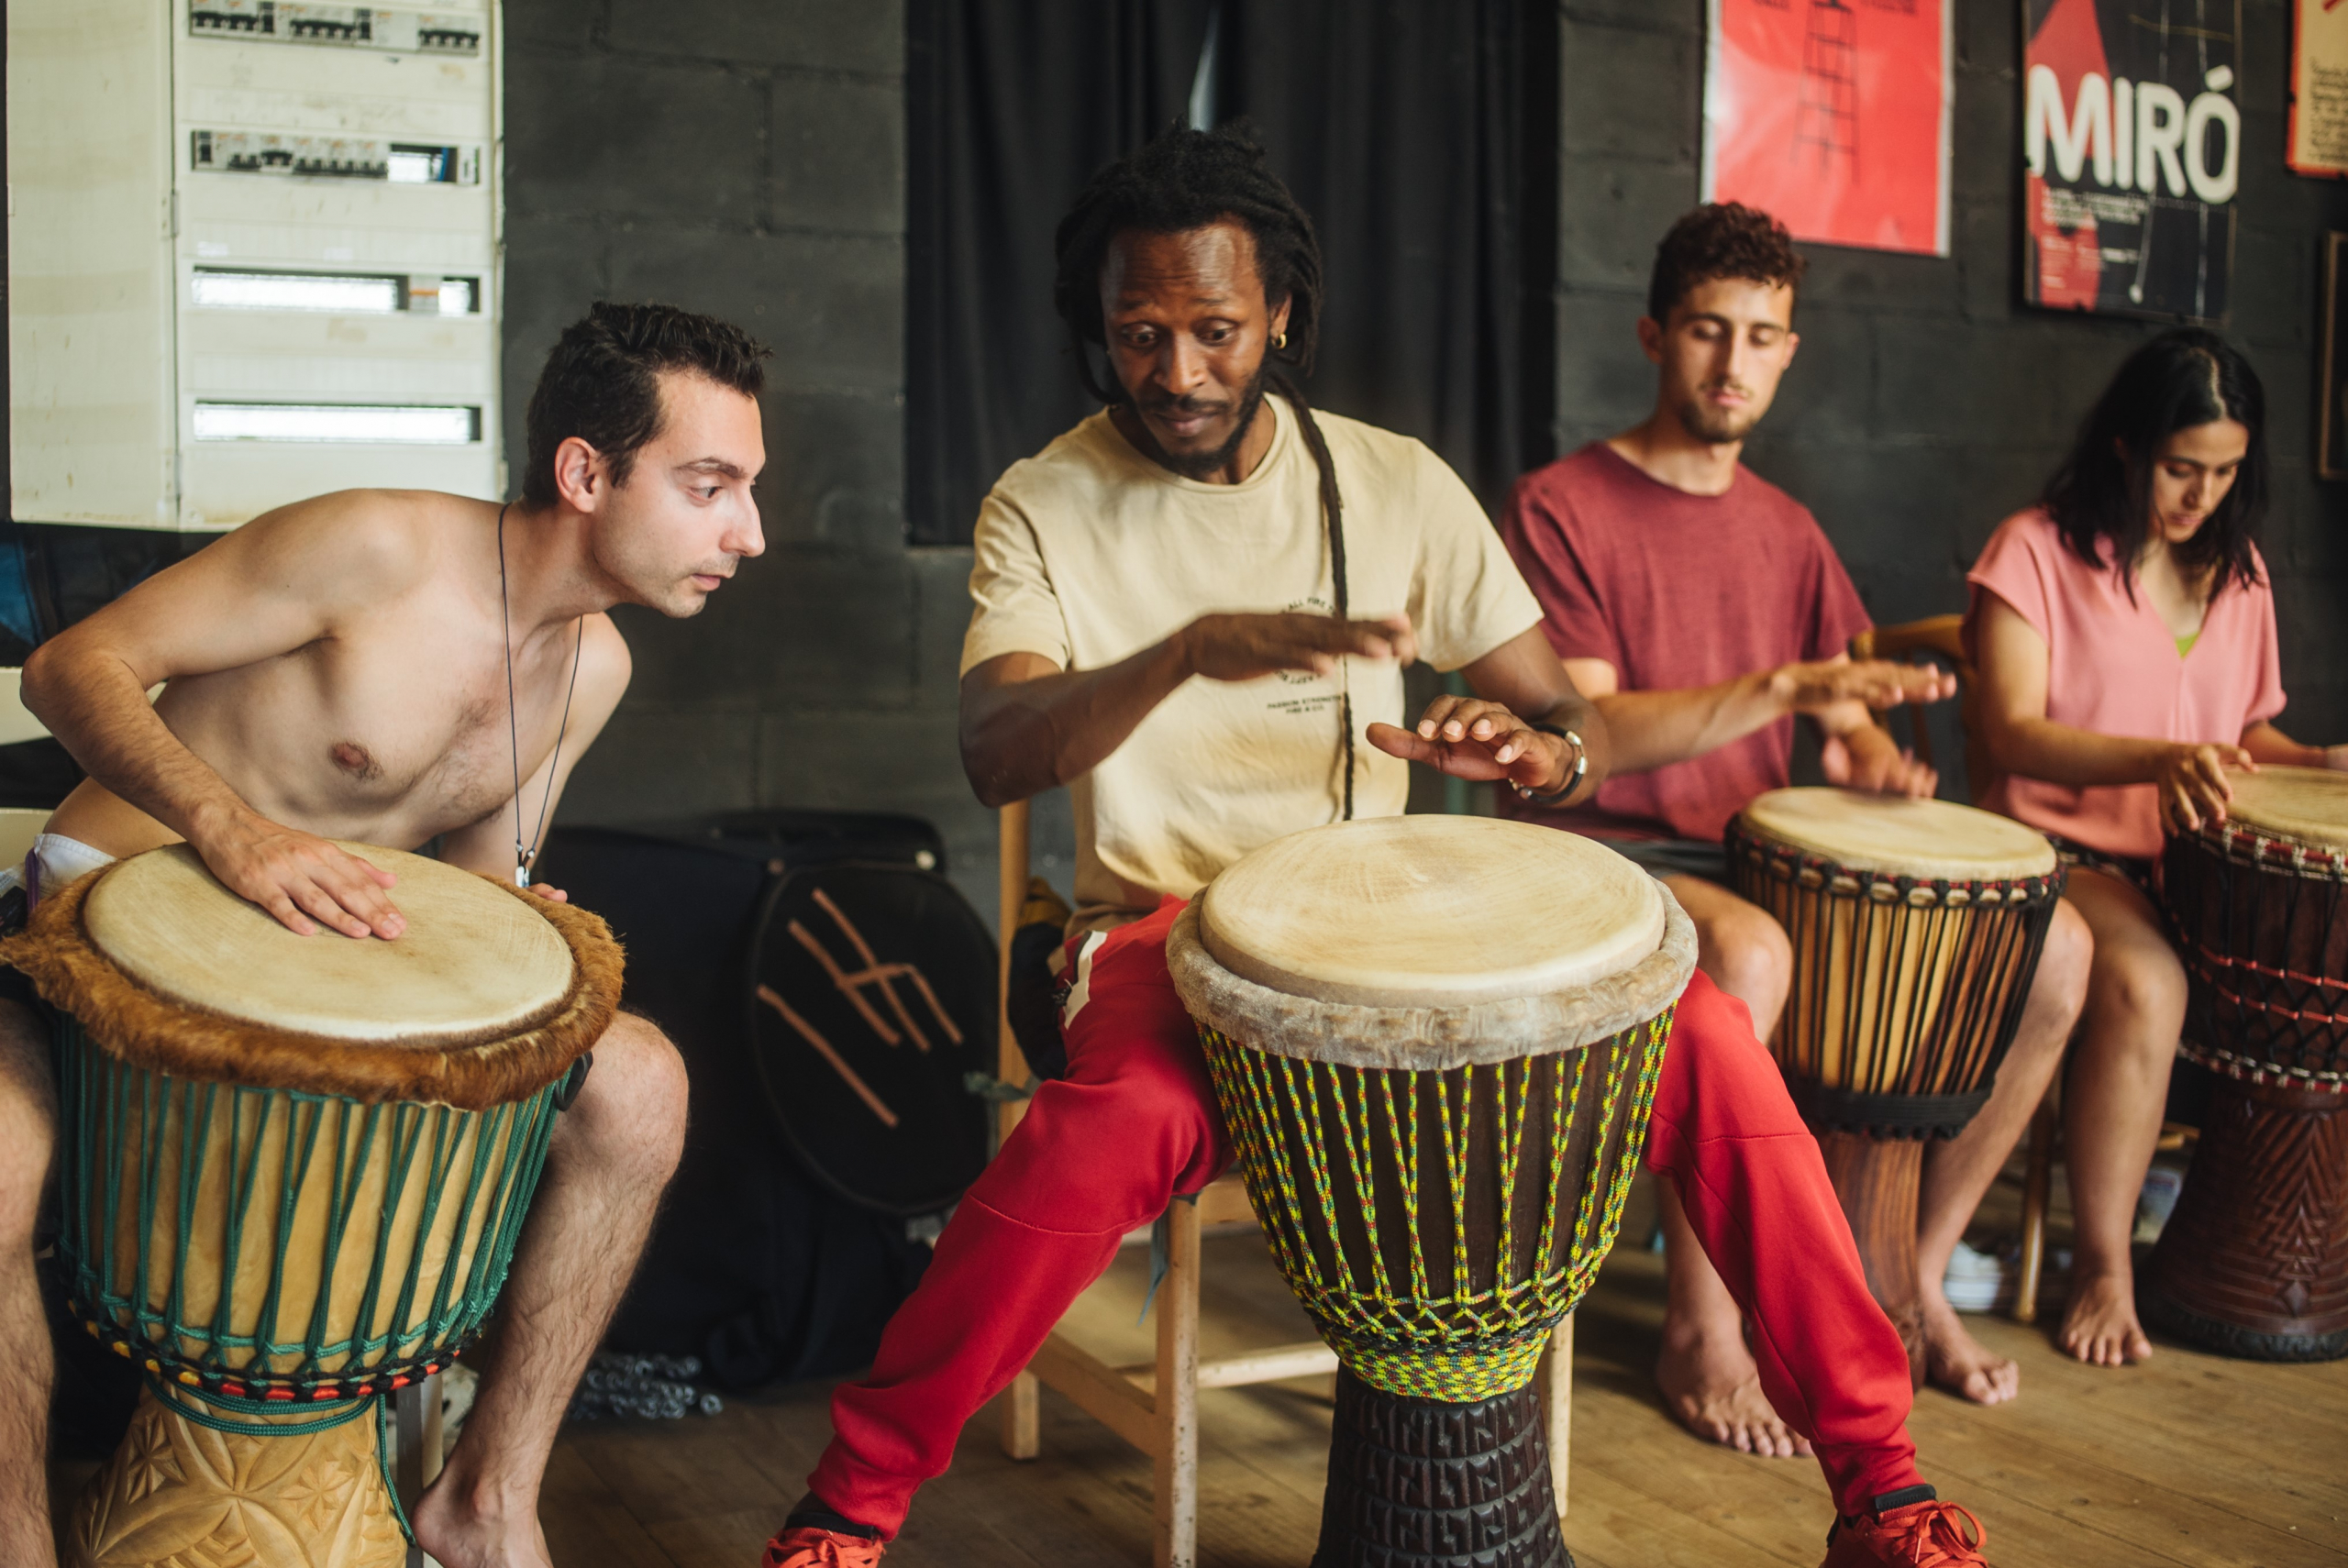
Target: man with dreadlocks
x,y
1187,608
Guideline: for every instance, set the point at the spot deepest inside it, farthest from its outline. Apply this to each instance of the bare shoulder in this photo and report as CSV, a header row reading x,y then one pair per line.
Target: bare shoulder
x,y
380,542
604,665
603,654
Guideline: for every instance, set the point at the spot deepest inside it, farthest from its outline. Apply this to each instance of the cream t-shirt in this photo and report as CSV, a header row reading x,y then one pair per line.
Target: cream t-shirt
x,y
1090,552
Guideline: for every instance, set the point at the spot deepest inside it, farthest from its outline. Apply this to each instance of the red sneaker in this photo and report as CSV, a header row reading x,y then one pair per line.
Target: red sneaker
x,y
807,1547
1907,1531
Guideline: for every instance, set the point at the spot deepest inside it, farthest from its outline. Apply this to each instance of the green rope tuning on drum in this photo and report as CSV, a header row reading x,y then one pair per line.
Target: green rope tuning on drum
x,y
1309,1134
144,1149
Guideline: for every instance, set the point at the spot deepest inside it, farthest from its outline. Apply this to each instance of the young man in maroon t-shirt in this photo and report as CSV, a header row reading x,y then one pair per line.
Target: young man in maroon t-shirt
x,y
1702,607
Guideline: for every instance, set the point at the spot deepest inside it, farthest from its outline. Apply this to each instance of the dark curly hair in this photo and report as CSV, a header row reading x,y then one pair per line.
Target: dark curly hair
x,y
602,383
1721,239
1187,180
2101,498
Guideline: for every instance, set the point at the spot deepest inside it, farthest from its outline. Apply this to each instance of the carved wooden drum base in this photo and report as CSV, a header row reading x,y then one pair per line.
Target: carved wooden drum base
x,y
178,1494
2254,1261
1878,1180
1416,1483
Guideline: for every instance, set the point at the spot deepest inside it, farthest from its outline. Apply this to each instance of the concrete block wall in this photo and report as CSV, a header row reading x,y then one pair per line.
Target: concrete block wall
x,y
749,161
1926,404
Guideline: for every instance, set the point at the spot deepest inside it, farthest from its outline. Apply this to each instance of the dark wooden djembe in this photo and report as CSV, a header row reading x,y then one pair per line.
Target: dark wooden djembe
x,y
2254,1260
1916,928
1436,1041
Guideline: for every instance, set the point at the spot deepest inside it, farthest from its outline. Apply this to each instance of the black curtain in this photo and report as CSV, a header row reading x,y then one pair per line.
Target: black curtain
x,y
1420,135
1011,106
1403,128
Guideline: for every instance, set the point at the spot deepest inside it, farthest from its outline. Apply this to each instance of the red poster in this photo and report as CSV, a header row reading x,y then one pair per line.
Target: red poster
x,y
1834,115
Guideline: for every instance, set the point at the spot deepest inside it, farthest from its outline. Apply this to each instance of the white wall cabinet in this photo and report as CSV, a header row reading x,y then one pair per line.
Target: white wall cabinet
x,y
253,255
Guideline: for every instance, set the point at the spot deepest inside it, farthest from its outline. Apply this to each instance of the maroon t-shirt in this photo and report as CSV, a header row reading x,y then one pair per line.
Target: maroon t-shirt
x,y
1675,591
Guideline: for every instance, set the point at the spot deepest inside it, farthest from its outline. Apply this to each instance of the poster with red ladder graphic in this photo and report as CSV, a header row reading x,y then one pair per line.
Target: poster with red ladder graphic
x,y
1834,115
2132,153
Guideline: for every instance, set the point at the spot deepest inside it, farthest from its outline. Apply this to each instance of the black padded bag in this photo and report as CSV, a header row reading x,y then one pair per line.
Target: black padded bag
x,y
760,1264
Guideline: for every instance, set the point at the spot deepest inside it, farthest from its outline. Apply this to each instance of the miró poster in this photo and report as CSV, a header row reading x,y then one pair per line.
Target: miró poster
x,y
2131,143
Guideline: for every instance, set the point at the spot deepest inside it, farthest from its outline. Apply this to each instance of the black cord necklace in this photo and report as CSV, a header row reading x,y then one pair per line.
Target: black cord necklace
x,y
523,858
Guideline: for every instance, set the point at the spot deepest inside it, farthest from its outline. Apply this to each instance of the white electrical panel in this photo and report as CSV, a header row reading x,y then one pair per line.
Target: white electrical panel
x,y
253,255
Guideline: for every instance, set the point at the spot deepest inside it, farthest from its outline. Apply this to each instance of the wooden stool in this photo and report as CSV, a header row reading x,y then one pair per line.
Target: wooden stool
x,y
1155,1406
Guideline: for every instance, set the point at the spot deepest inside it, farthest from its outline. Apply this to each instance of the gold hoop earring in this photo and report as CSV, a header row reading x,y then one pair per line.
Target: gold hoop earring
x,y
1281,341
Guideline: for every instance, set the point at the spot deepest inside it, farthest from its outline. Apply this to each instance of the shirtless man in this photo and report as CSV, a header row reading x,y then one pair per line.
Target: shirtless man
x,y
338,669
1701,608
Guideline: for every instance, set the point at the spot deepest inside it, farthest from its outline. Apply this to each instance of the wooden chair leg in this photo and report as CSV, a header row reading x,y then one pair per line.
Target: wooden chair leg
x,y
1176,1396
2037,1185
1022,1435
1555,1382
1011,889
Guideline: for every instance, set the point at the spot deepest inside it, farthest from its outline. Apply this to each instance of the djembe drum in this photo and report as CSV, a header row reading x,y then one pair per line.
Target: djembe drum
x,y
2254,1260
1434,1041
294,1169
1916,928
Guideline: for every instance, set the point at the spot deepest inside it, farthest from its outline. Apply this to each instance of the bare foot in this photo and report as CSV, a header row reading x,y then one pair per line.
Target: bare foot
x,y
1957,1361
1713,1387
2099,1326
456,1537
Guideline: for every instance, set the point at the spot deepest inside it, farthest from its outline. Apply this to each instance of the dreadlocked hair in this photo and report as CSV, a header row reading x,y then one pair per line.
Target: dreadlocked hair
x,y
1186,180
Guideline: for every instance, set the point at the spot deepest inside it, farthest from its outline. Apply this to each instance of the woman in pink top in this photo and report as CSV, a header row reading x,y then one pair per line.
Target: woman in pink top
x,y
2124,633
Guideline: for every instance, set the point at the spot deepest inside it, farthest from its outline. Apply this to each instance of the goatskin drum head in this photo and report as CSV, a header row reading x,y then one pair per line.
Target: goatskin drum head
x,y
1892,835
1430,911
473,961
2306,804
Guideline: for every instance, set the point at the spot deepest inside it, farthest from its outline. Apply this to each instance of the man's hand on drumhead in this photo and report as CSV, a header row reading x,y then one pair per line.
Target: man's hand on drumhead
x,y
2192,784
1869,759
1470,738
1880,683
304,880
1249,647
549,892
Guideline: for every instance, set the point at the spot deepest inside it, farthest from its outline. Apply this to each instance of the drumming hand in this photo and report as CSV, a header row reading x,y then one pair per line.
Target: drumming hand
x,y
1869,759
1877,682
2192,784
1470,738
549,892
1247,647
303,879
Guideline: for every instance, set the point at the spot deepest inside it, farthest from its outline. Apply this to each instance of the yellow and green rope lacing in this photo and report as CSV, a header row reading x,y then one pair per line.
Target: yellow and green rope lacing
x,y
1509,1179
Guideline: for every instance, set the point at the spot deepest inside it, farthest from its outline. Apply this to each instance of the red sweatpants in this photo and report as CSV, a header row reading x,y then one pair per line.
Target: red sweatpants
x,y
1105,1149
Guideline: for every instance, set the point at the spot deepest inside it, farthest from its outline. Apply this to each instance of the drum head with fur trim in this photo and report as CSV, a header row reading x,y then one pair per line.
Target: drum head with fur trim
x,y
2309,804
1891,835
474,961
1430,911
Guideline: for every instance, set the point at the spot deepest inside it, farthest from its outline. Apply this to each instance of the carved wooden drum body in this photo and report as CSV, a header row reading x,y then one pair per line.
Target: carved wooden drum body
x,y
1436,1041
1916,928
2254,1260
293,1170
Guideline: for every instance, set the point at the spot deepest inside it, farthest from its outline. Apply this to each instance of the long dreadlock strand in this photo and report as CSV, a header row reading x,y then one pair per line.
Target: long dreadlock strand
x,y
1332,518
